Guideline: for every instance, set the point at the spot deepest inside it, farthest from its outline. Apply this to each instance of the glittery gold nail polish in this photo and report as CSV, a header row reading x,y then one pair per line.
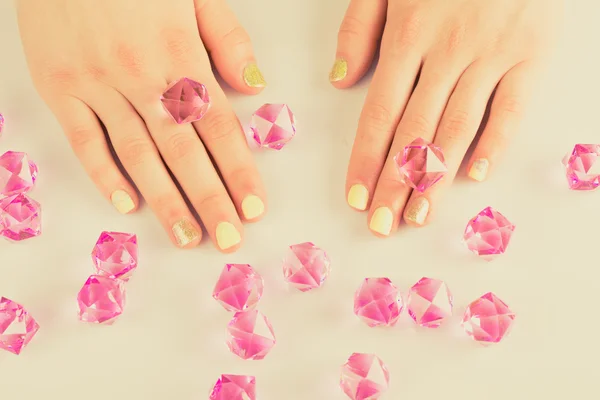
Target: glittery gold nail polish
x,y
253,77
479,169
122,201
339,70
417,211
184,232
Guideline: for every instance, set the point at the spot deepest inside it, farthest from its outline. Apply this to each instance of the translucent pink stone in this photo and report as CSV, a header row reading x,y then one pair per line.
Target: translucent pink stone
x,y
116,254
1,124
421,164
101,300
251,335
186,100
488,233
429,302
306,266
17,327
583,167
378,302
239,287
17,173
234,387
364,377
488,319
273,125
20,218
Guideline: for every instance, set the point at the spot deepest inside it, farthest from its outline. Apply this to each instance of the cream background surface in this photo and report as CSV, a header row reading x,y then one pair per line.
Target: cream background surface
x,y
169,344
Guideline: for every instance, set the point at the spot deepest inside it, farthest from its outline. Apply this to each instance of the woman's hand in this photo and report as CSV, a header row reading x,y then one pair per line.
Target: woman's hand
x,y
107,63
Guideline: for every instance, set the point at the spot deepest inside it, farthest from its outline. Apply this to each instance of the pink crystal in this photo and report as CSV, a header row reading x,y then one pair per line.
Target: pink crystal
x,y
306,266
17,173
488,233
273,125
583,167
488,319
429,302
239,287
20,218
1,124
116,254
17,327
101,300
234,387
251,335
421,164
186,100
364,377
378,302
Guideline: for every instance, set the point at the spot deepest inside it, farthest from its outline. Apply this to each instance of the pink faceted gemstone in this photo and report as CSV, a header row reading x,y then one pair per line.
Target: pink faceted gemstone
x,y
488,319
421,164
239,287
488,233
186,100
273,125
378,302
306,266
251,335
582,166
115,254
20,218
429,302
17,173
101,300
17,327
234,387
1,124
364,377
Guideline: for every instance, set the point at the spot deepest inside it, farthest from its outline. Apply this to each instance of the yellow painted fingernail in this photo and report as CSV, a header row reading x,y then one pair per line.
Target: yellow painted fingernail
x,y
227,235
252,207
339,70
417,211
253,77
479,169
358,197
382,220
185,232
122,201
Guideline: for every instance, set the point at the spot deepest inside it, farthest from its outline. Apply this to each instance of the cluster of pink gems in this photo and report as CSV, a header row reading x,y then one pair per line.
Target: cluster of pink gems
x,y
17,327
272,126
234,387
582,167
364,377
421,164
306,266
239,288
186,100
488,233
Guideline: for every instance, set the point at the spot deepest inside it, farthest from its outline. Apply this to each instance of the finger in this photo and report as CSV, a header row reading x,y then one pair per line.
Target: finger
x,y
358,40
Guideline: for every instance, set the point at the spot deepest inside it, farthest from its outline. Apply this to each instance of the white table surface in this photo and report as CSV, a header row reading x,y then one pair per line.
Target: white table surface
x,y
169,344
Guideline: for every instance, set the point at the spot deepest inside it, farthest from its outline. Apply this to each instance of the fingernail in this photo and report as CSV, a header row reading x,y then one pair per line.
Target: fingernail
x,y
122,201
381,221
185,232
358,197
253,77
339,70
479,169
227,235
252,207
417,211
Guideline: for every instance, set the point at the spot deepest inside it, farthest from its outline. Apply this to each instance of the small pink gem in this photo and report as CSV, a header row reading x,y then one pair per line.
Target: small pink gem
x,y
429,302
251,335
273,125
378,302
17,173
239,287
1,124
306,266
115,254
186,100
101,300
20,218
488,319
234,387
488,233
364,377
17,327
421,164
583,167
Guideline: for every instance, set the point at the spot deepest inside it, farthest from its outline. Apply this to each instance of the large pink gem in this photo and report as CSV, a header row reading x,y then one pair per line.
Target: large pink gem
x,y
186,100
239,287
116,254
234,387
20,218
101,300
364,377
488,319
429,302
251,335
583,167
488,233
306,266
17,173
378,302
273,125
421,164
17,327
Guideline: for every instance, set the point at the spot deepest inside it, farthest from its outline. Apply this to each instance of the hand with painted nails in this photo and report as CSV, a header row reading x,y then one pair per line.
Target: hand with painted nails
x,y
441,63
105,65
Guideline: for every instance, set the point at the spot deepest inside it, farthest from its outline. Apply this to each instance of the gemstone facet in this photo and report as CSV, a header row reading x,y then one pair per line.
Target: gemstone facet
x,y
234,387
488,319
20,218
364,377
251,335
17,327
488,233
273,125
421,164
429,302
116,254
306,266
582,166
1,124
17,173
378,302
101,300
239,287
186,100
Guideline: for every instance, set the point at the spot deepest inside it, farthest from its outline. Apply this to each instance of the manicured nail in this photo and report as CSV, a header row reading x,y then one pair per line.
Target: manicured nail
x,y
253,77
185,232
381,221
339,70
252,207
227,235
417,211
358,197
479,169
122,201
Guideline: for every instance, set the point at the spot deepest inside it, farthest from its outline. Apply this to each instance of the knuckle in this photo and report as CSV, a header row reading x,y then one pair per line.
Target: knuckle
x,y
351,28
178,44
211,200
58,77
134,150
455,37
95,72
377,116
181,145
130,60
165,202
81,137
407,32
416,125
457,124
236,36
510,104
220,126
